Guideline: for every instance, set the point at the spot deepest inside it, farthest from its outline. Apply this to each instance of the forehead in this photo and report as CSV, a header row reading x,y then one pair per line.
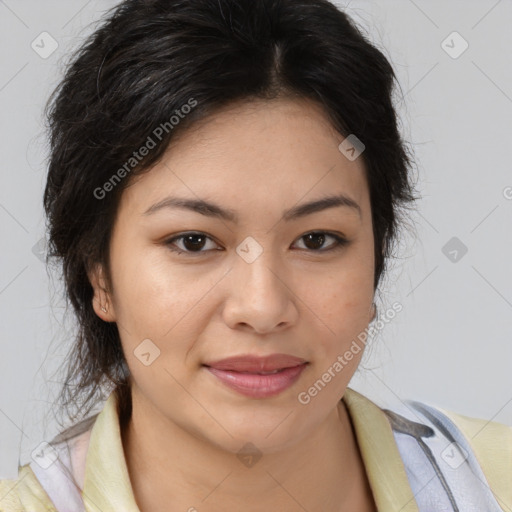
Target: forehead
x,y
260,152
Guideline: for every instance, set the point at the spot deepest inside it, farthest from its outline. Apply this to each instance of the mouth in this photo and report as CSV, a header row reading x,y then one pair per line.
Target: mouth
x,y
258,377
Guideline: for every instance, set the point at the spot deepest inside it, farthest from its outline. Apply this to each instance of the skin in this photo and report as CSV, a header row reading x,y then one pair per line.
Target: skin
x,y
258,159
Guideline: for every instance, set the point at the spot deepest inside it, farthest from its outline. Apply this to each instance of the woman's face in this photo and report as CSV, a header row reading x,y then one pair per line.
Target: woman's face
x,y
250,281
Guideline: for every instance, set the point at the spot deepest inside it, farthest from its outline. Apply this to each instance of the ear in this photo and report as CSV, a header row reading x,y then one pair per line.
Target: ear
x,y
373,309
102,299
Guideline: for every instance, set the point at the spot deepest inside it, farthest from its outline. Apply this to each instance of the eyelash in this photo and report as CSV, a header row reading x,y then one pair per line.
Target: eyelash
x,y
341,242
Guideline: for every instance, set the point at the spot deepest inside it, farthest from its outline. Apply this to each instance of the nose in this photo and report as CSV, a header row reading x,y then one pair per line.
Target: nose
x,y
260,298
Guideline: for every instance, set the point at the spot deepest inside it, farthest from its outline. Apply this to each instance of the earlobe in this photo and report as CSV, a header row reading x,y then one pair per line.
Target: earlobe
x,y
101,301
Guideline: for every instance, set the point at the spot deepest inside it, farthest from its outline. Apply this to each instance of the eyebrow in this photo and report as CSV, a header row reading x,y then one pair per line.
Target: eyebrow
x,y
212,210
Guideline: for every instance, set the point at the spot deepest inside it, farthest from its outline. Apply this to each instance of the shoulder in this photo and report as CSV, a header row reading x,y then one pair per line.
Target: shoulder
x,y
452,461
53,481
473,456
22,492
490,441
492,445
9,499
484,435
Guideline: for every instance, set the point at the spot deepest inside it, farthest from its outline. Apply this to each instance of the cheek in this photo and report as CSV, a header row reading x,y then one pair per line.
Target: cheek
x,y
346,293
150,293
339,347
342,306
165,303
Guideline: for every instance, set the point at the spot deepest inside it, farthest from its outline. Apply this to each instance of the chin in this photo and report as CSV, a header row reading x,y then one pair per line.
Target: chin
x,y
269,431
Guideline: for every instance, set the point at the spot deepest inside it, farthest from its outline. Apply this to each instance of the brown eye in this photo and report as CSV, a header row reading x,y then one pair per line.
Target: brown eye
x,y
197,243
314,241
190,243
194,242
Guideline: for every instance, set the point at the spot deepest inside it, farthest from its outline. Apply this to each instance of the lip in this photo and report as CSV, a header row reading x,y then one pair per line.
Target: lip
x,y
254,364
248,375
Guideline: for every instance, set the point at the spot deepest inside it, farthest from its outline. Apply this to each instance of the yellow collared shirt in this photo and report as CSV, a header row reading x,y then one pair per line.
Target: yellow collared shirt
x,y
104,483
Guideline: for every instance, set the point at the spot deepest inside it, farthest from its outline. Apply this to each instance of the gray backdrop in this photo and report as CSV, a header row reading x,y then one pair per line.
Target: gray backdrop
x,y
451,345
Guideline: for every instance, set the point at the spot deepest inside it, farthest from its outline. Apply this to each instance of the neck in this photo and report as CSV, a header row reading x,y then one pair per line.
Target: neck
x,y
323,472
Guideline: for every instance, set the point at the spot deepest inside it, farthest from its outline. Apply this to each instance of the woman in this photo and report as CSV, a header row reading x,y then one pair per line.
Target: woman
x,y
225,186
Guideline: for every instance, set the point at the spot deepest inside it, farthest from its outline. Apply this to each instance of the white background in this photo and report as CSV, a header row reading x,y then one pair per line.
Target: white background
x,y
450,346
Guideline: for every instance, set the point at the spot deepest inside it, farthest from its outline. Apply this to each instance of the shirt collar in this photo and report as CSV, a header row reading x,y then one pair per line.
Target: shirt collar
x,y
383,464
107,483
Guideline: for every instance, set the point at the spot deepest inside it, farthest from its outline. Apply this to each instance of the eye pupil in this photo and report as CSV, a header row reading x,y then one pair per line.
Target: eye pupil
x,y
191,246
315,237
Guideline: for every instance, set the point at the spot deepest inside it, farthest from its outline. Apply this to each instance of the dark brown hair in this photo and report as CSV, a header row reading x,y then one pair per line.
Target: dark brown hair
x,y
137,71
